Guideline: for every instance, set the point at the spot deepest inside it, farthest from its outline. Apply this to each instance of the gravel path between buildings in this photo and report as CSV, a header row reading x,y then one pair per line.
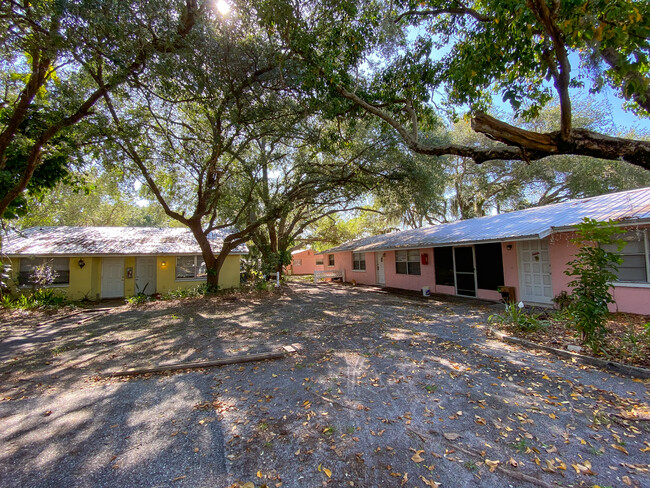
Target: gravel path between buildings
x,y
389,390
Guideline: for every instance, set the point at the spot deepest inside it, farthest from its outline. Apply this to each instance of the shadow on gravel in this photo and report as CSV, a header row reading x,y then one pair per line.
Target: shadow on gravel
x,y
390,390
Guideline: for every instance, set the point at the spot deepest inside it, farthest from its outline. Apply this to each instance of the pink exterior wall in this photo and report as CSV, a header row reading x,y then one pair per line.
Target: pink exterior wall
x,y
561,251
308,265
343,261
410,282
510,265
367,277
629,299
444,289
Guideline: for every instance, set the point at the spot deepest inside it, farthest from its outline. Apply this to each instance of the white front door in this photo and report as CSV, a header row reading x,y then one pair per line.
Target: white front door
x,y
145,275
535,271
112,277
381,278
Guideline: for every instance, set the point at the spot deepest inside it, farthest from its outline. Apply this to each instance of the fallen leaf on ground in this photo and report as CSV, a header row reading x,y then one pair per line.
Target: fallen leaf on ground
x,y
416,458
492,465
451,436
620,448
430,483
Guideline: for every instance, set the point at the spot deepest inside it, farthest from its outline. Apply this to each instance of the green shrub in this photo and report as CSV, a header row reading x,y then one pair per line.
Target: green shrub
x,y
635,345
197,291
41,298
593,270
516,316
138,299
562,300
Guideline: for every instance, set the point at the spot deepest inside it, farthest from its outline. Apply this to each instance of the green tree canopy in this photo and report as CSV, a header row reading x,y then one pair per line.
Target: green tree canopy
x,y
57,60
410,63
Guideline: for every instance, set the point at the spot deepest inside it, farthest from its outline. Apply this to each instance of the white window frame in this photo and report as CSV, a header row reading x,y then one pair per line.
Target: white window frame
x,y
320,262
359,257
198,261
408,256
297,262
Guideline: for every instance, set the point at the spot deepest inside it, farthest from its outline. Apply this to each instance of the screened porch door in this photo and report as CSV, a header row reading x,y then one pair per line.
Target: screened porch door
x,y
465,271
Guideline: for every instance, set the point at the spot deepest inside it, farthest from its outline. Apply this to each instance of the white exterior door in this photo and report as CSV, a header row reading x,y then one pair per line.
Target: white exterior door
x,y
112,277
145,275
381,277
535,271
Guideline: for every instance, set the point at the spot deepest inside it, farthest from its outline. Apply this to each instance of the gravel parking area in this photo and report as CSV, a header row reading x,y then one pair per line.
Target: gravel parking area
x,y
389,390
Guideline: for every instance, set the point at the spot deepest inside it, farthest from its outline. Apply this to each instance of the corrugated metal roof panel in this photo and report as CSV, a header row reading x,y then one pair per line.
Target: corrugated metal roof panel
x,y
77,241
531,223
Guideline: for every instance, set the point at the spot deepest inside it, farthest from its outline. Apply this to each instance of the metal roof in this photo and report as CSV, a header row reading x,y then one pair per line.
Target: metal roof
x,y
531,223
122,241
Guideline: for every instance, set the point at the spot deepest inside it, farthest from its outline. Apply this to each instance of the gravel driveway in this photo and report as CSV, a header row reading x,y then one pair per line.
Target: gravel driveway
x,y
389,390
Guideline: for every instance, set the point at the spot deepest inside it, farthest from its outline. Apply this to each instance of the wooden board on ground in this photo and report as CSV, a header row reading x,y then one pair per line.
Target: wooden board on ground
x,y
290,349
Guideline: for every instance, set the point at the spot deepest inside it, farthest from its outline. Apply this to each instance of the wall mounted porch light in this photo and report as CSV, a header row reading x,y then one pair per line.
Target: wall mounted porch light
x,y
81,263
163,264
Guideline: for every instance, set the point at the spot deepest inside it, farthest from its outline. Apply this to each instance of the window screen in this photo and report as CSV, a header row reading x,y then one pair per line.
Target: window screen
x,y
635,255
444,265
489,266
188,267
61,267
407,262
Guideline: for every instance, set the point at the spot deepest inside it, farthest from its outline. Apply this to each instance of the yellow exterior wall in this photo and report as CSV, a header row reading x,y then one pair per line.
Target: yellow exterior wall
x,y
166,276
86,282
80,280
229,275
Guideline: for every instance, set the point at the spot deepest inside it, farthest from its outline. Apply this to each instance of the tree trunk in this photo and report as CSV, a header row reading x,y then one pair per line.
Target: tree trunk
x,y
212,264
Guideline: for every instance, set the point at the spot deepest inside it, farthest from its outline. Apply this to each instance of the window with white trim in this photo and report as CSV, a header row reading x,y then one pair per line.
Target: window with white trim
x,y
61,267
190,268
319,261
407,262
330,260
635,267
297,262
359,261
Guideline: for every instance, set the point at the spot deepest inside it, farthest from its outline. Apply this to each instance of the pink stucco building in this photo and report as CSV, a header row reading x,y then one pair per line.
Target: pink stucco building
x,y
527,250
305,262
